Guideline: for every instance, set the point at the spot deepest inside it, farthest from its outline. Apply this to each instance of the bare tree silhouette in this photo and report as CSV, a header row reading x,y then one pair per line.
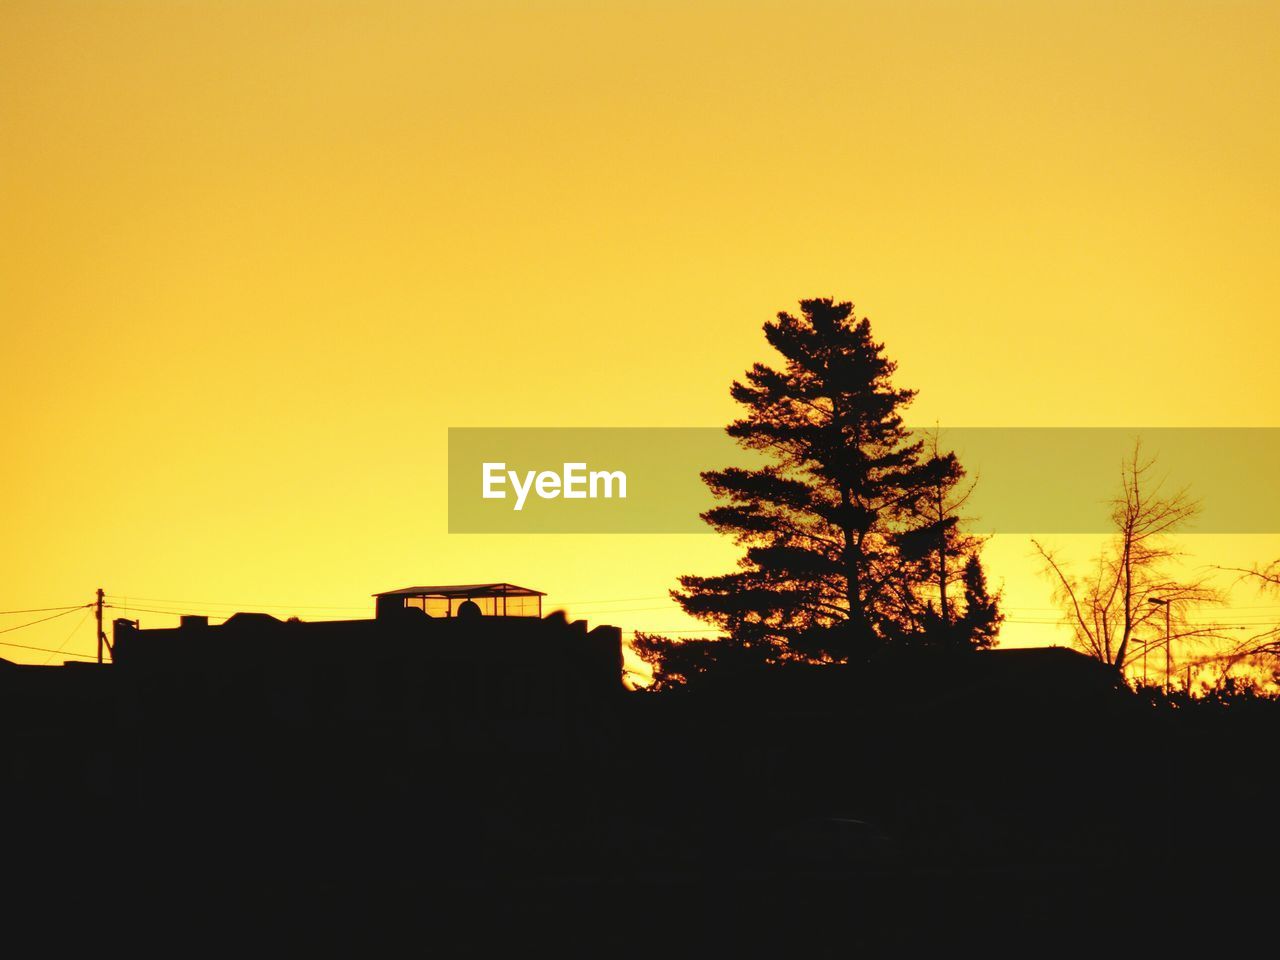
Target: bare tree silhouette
x,y
1130,585
1262,648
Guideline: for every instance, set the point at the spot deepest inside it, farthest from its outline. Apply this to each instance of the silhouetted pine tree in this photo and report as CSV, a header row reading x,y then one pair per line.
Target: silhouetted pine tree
x,y
838,528
980,624
942,588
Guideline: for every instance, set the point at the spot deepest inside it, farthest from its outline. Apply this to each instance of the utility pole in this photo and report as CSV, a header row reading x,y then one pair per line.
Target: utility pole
x,y
1168,652
1168,643
101,636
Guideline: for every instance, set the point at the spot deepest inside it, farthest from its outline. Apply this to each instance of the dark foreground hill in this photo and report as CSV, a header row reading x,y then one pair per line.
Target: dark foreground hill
x,y
458,801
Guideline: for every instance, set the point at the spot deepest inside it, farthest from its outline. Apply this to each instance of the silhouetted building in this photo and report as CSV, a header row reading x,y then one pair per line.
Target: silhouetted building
x,y
503,678
403,696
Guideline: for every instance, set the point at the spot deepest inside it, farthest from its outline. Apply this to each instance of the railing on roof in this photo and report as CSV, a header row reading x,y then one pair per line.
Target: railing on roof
x,y
492,599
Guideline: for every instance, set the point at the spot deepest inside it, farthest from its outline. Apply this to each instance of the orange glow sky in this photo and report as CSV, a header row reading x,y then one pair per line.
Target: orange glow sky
x,y
256,257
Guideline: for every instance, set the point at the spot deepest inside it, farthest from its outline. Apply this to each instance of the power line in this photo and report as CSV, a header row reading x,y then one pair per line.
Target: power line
x,y
167,613
32,623
45,609
249,604
191,613
241,605
1027,614
67,639
609,613
65,653
675,630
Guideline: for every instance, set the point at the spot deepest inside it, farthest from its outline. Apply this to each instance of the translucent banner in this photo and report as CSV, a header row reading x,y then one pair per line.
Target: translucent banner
x,y
1028,479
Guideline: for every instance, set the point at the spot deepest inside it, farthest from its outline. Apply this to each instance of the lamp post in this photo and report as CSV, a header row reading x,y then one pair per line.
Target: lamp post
x,y
1168,649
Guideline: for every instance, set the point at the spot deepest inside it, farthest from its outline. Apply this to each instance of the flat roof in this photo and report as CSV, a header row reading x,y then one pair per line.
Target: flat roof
x,y
464,590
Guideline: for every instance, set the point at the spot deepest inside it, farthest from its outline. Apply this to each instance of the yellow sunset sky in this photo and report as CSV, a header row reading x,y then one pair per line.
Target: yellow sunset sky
x,y
257,257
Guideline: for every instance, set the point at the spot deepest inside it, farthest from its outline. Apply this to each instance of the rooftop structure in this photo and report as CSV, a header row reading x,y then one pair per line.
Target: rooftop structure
x,y
445,600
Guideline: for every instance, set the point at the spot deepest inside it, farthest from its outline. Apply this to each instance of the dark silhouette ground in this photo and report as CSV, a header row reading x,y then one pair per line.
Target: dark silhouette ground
x,y
1003,801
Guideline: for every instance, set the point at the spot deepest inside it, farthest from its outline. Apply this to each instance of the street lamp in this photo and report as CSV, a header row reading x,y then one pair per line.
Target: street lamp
x,y
1168,650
